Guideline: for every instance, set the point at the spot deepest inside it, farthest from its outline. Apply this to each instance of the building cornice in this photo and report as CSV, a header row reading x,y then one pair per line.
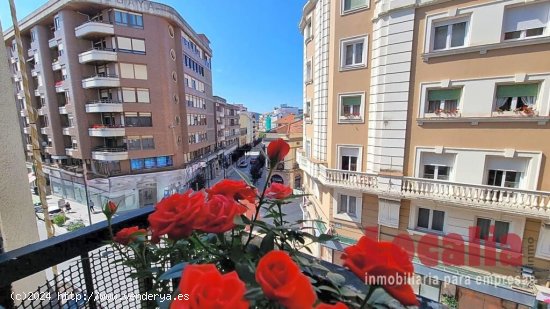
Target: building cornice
x,y
308,7
142,6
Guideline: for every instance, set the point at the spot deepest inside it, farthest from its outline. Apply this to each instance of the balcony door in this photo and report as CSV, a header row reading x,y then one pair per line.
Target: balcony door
x,y
502,178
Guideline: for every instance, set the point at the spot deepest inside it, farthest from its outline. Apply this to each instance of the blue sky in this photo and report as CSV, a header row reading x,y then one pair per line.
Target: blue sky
x,y
257,46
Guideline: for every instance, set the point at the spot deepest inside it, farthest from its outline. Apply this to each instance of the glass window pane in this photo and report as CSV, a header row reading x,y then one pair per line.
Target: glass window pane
x,y
440,37
437,220
458,35
353,164
352,205
534,32
512,35
150,162
443,172
358,53
433,106
511,179
429,171
134,143
494,178
501,231
423,218
349,54
483,226
136,164
343,205
345,163
162,161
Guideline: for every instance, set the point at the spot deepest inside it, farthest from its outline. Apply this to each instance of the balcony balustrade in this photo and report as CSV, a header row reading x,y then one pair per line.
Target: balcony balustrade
x,y
104,106
94,29
100,130
512,200
101,81
98,55
110,153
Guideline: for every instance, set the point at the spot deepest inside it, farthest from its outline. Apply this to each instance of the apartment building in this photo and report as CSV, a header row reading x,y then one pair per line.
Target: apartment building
x,y
228,128
124,94
426,120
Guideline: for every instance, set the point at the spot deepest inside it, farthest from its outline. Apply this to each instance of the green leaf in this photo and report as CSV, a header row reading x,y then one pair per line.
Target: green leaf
x,y
381,299
244,177
245,273
174,272
336,278
328,288
268,243
253,293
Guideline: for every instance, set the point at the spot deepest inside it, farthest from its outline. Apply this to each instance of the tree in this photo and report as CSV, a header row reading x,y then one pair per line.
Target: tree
x,y
256,171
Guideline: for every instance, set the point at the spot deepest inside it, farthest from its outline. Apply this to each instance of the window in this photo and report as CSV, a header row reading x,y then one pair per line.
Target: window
x,y
349,5
193,65
308,109
516,97
443,100
347,205
501,178
129,45
349,158
147,142
430,219
135,95
351,107
308,32
134,142
436,172
141,119
449,35
309,72
525,21
353,52
128,19
483,230
56,23
133,71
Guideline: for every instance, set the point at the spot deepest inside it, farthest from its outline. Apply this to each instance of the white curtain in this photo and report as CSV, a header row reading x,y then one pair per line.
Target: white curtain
x,y
529,101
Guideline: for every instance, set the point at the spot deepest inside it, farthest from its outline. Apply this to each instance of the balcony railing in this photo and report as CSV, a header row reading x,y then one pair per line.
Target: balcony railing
x,y
482,195
92,269
512,200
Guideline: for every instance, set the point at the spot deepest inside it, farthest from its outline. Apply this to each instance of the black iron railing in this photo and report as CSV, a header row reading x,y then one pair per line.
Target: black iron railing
x,y
89,274
92,269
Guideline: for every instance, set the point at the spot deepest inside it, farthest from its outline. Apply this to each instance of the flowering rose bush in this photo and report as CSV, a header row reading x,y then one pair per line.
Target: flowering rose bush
x,y
224,256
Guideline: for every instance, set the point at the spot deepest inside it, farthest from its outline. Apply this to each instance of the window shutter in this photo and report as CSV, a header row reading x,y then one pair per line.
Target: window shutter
x,y
143,95
351,100
388,212
124,43
126,70
138,45
128,95
522,90
526,17
444,94
141,71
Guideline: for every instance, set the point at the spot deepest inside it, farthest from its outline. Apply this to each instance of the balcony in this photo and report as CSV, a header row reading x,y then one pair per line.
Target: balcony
x,y
106,131
63,110
27,130
94,29
44,130
511,200
89,268
69,131
70,151
34,72
60,86
24,112
56,65
101,81
37,92
52,43
110,154
42,111
104,106
29,147
98,56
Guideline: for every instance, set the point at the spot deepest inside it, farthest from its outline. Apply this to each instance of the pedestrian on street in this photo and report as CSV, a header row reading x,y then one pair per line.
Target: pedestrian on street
x,y
67,206
91,204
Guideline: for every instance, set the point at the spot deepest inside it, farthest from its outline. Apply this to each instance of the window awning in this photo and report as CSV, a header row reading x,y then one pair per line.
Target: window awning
x,y
444,94
352,100
521,90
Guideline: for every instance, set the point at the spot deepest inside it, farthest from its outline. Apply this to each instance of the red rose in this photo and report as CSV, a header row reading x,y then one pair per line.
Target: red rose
x,y
369,259
110,209
175,215
282,280
338,305
218,214
207,288
278,191
235,189
128,235
277,151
